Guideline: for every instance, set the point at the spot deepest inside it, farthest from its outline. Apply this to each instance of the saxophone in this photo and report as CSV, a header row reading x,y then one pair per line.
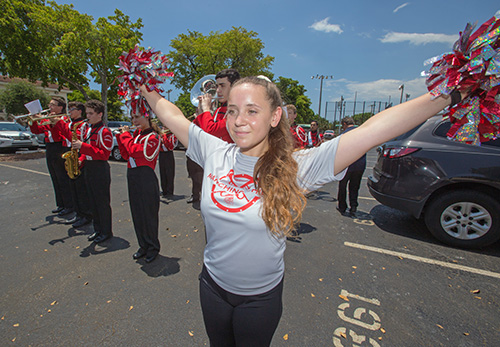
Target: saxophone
x,y
71,157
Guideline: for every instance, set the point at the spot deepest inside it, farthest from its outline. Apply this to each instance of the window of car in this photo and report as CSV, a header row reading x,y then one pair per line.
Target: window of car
x,y
11,127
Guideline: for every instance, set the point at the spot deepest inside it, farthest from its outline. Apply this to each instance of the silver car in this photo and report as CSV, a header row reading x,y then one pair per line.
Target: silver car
x,y
14,136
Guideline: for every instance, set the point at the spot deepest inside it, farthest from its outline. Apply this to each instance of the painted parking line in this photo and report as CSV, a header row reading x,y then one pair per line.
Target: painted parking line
x,y
424,260
21,168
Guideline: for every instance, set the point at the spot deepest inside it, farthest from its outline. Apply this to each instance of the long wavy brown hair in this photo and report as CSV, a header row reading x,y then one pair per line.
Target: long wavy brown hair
x,y
275,173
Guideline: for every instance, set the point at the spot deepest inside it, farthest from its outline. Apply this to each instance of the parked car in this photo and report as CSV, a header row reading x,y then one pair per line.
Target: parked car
x,y
14,136
328,134
454,186
114,126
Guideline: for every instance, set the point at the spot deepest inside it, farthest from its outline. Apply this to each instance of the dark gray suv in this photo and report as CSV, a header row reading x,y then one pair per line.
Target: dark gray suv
x,y
454,186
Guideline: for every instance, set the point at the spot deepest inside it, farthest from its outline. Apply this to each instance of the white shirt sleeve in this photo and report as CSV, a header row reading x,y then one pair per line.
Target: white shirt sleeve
x,y
316,165
202,144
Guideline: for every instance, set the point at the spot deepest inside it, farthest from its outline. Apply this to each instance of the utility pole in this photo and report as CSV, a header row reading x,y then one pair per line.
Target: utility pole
x,y
321,77
401,88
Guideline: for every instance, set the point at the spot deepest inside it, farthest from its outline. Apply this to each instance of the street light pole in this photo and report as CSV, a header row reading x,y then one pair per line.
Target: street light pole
x,y
401,88
321,77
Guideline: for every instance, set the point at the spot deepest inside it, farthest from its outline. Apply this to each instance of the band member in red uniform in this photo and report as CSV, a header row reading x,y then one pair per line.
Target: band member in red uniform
x,y
94,153
298,133
54,148
167,164
314,138
141,151
78,188
214,124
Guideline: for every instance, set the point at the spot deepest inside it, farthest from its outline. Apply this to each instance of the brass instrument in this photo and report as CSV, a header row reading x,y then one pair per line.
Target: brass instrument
x,y
30,114
205,85
32,120
71,156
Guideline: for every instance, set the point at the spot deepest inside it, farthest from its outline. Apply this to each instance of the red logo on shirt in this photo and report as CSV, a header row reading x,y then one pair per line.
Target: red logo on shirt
x,y
233,193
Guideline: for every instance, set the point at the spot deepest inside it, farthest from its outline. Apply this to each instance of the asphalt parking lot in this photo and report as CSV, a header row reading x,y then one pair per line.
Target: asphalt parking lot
x,y
376,280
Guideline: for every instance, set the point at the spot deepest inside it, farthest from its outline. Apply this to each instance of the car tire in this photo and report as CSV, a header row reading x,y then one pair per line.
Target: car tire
x,y
464,218
115,153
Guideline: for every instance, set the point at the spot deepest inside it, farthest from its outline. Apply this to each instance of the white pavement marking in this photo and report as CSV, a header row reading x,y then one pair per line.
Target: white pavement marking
x,y
365,198
21,168
425,260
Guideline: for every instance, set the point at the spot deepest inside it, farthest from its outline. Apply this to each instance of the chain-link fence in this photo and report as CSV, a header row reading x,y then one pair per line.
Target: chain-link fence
x,y
360,110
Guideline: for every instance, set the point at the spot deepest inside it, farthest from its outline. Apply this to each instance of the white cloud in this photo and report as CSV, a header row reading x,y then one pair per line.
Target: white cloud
x,y
294,55
323,25
400,7
418,39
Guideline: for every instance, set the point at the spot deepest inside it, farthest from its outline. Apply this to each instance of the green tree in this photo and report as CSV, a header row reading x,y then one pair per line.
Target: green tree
x,y
18,93
115,105
294,93
183,102
195,55
55,43
360,118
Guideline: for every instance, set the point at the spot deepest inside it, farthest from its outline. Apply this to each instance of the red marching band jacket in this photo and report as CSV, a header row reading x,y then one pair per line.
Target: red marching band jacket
x,y
141,149
66,130
299,136
214,125
52,132
97,143
168,142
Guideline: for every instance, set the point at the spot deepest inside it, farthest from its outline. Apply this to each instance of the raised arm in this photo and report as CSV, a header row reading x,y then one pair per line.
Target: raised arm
x,y
169,115
385,126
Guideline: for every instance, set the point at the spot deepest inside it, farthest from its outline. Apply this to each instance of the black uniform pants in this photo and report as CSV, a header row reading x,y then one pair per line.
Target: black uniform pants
x,y
144,200
58,174
195,171
98,181
80,197
167,172
353,178
239,320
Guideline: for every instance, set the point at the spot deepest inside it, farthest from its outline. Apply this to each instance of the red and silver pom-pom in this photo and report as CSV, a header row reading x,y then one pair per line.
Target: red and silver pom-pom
x,y
474,65
141,67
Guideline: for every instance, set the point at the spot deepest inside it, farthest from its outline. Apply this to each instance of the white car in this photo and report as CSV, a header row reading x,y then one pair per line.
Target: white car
x,y
14,136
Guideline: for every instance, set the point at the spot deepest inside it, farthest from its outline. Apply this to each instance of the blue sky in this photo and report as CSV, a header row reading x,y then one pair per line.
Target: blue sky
x,y
369,47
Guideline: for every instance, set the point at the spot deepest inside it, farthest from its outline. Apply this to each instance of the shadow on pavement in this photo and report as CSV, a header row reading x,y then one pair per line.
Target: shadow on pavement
x,y
403,224
161,266
111,245
50,220
320,195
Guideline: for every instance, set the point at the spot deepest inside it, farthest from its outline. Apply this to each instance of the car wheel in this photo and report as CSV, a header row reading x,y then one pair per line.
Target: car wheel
x,y
464,218
115,153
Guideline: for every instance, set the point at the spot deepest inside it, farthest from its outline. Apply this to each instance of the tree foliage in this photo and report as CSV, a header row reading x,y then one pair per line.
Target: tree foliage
x,y
115,105
294,93
195,55
55,43
18,93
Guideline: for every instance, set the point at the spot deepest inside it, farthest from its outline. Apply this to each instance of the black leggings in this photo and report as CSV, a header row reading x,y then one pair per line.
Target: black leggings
x,y
237,320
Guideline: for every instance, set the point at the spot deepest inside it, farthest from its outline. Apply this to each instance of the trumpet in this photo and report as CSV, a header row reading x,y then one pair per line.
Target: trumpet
x,y
31,114
32,119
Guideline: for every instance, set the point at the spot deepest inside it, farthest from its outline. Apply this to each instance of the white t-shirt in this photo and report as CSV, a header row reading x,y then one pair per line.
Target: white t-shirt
x,y
241,254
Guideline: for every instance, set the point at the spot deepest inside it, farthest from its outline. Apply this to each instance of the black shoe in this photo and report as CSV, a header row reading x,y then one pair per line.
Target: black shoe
x,y
72,220
191,200
139,254
102,238
81,222
94,236
64,212
352,211
342,212
150,258
57,210
196,205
